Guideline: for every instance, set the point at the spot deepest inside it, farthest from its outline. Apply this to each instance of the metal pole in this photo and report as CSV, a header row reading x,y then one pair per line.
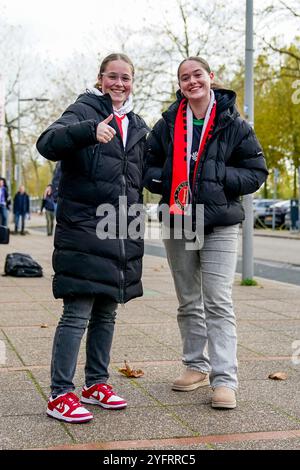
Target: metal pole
x,y
17,172
2,123
276,174
247,250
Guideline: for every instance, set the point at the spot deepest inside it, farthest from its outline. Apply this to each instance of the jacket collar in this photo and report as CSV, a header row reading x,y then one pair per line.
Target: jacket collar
x,y
226,110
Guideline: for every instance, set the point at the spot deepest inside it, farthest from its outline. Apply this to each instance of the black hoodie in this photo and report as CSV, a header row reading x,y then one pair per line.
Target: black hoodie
x,y
232,163
94,174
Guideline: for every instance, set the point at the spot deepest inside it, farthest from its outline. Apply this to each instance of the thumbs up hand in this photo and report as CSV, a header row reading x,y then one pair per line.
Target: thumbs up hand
x,y
105,132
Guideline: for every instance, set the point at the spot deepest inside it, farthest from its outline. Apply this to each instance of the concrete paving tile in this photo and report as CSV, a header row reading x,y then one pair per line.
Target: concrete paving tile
x,y
161,372
29,432
42,376
257,314
139,339
290,328
249,416
279,348
26,318
21,306
134,354
244,352
261,336
260,370
267,444
167,307
169,336
275,306
166,396
143,423
21,403
27,333
122,329
35,351
8,356
14,380
148,316
173,447
281,395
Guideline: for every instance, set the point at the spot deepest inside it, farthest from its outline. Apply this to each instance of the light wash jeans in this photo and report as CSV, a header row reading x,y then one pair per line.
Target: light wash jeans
x,y
3,215
100,312
203,281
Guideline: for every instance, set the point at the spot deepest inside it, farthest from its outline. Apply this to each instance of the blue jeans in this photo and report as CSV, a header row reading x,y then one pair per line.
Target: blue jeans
x,y
203,281
17,218
3,215
99,313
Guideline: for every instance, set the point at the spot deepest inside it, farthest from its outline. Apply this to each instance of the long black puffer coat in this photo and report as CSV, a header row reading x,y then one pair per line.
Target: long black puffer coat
x,y
94,174
232,163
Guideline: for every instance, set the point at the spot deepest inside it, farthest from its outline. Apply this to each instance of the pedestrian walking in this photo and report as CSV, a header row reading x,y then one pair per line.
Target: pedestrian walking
x,y
21,209
4,203
49,205
100,142
203,153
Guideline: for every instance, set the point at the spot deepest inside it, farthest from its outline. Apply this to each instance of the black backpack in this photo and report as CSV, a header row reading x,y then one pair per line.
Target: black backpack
x,y
22,265
4,234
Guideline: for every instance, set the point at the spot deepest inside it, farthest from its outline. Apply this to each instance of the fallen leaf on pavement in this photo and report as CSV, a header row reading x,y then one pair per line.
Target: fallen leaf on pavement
x,y
44,325
129,372
278,376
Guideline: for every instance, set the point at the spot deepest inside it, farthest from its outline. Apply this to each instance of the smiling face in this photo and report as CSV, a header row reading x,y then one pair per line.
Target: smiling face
x,y
195,81
117,81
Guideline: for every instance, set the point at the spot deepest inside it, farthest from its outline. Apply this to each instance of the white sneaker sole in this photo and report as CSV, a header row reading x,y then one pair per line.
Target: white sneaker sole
x,y
189,388
93,401
55,414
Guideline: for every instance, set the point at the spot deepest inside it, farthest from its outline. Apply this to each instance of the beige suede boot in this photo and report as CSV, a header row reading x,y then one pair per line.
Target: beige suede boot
x,y
223,397
190,380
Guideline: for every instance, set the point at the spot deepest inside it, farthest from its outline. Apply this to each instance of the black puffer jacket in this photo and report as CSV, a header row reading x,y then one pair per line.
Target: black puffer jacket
x,y
94,174
232,163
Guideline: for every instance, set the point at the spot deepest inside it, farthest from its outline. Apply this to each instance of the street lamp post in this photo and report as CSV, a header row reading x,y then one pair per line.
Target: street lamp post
x,y
17,172
247,263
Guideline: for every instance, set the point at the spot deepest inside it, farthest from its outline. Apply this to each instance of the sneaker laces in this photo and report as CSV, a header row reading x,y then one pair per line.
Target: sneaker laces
x,y
106,387
72,399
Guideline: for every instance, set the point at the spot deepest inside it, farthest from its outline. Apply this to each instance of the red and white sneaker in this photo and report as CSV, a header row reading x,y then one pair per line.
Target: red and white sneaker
x,y
103,395
68,408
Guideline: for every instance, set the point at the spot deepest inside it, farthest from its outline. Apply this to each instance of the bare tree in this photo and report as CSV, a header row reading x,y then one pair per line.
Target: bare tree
x,y
195,28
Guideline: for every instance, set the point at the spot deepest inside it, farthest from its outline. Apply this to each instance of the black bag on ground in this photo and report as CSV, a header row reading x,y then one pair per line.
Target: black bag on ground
x,y
4,234
22,265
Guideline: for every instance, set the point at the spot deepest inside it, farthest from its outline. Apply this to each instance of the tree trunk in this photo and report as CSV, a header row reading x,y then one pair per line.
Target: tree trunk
x,y
13,157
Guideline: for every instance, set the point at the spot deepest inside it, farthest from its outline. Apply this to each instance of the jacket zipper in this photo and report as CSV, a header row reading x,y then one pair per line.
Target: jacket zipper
x,y
94,163
121,240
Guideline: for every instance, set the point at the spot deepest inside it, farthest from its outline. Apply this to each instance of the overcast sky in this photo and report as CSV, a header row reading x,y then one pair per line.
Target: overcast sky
x,y
60,27
75,33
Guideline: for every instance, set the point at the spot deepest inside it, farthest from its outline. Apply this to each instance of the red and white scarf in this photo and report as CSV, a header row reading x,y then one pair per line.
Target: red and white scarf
x,y
183,135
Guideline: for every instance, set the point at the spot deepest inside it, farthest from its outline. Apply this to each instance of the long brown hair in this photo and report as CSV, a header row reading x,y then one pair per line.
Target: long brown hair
x,y
111,58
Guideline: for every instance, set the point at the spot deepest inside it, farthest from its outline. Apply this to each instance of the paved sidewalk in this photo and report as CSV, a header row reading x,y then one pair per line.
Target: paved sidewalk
x,y
268,412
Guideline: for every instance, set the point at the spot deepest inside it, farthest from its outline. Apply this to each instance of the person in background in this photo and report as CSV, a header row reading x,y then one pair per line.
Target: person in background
x,y
21,208
55,183
49,206
4,202
100,143
202,154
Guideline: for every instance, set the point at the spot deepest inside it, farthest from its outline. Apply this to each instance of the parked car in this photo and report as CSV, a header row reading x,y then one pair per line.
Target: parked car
x,y
288,222
260,207
280,209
